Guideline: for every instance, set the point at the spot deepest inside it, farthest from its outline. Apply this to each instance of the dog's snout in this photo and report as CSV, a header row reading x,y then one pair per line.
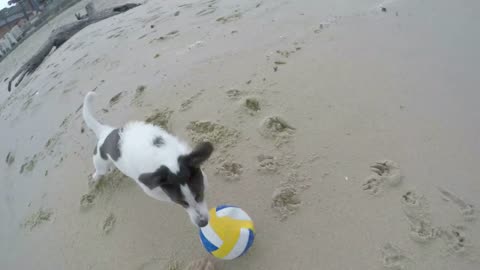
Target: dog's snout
x,y
202,222
198,214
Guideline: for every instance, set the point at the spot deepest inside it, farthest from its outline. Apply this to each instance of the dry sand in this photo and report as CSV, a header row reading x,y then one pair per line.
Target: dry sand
x,y
349,134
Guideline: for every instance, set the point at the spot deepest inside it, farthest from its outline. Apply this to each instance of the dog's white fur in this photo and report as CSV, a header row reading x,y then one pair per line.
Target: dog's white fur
x,y
139,155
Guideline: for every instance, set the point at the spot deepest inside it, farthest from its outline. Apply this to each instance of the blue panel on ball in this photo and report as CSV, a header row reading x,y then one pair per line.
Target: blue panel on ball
x,y
208,246
220,207
251,236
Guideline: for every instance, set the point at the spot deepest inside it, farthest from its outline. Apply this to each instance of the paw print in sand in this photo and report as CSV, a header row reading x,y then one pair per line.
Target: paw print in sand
x,y
455,239
386,171
231,171
372,185
395,258
202,264
418,214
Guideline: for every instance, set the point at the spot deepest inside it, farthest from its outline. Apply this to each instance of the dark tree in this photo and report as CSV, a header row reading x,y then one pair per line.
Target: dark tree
x,y
62,34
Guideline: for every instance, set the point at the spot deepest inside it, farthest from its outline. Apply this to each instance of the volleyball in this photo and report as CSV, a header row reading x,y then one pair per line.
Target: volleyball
x,y
229,233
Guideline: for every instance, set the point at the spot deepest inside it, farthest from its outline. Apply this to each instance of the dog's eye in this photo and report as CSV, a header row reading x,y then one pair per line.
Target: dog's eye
x,y
184,204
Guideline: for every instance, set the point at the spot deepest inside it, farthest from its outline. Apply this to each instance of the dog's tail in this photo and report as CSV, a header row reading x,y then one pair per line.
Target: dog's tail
x,y
91,122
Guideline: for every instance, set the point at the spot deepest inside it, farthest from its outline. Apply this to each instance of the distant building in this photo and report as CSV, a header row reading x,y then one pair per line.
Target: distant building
x,y
16,15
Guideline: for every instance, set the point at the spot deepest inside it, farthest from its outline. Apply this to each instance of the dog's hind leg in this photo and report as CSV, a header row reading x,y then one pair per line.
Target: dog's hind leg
x,y
102,167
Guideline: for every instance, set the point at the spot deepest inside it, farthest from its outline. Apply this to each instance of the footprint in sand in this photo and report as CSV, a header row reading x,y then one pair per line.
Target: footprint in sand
x,y
467,210
389,171
82,127
275,127
52,143
160,118
169,35
109,223
37,218
286,201
372,185
173,264
278,63
160,263
111,182
252,105
188,5
385,172
87,200
287,53
115,99
206,131
234,94
230,18
137,99
211,8
10,158
206,11
455,238
75,46
106,185
27,103
29,165
66,121
116,34
286,197
187,104
267,164
319,29
231,171
395,259
79,60
418,214
142,36
202,264
59,162
153,263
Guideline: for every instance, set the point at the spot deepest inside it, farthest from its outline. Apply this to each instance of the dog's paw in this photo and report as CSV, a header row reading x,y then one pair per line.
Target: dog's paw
x,y
95,177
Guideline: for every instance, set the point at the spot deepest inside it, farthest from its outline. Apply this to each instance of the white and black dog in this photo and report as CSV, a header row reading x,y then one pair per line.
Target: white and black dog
x,y
164,167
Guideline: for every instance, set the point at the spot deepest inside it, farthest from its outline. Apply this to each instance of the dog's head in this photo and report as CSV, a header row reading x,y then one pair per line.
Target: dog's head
x,y
186,186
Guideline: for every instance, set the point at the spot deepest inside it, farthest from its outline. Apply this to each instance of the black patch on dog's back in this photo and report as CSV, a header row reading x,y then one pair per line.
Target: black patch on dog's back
x,y
158,141
111,146
95,149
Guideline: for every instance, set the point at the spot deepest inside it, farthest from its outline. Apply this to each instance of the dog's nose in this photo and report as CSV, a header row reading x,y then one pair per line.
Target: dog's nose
x,y
202,222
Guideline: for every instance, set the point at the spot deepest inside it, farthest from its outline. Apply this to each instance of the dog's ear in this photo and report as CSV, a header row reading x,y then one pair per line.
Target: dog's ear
x,y
200,154
155,179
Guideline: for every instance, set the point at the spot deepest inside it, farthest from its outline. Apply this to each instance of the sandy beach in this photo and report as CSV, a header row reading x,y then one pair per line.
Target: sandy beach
x,y
348,130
